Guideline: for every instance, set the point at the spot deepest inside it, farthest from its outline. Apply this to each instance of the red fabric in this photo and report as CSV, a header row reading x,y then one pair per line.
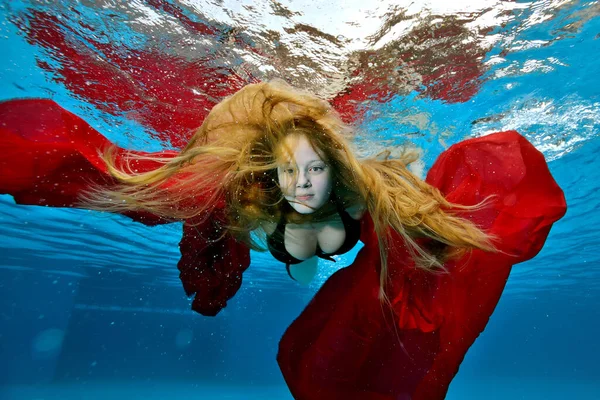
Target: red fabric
x,y
347,345
125,81
156,88
211,265
49,156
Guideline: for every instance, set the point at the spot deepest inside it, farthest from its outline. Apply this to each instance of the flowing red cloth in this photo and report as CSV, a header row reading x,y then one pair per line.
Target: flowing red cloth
x,y
49,156
346,344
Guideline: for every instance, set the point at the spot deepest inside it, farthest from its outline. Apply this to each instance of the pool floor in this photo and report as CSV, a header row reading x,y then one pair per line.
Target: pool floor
x,y
473,389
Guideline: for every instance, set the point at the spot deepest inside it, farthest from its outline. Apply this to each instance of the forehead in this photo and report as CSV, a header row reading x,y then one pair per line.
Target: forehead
x,y
299,149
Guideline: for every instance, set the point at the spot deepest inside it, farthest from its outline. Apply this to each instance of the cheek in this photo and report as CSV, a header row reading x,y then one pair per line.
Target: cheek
x,y
325,185
284,183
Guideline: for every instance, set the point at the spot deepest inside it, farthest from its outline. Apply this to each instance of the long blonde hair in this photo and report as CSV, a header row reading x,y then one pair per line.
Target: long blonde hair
x,y
231,162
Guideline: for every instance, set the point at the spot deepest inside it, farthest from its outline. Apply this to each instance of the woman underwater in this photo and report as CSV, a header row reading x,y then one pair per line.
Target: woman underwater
x,y
272,168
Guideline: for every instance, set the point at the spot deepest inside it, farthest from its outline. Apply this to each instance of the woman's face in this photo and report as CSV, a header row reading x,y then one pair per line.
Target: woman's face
x,y
304,177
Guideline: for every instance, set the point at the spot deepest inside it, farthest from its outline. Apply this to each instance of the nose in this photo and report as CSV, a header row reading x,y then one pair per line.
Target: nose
x,y
303,181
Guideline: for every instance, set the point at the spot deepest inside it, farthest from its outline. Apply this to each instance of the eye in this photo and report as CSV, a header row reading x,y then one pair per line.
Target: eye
x,y
317,169
287,171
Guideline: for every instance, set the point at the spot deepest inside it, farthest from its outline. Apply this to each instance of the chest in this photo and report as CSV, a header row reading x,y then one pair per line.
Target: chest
x,y
302,241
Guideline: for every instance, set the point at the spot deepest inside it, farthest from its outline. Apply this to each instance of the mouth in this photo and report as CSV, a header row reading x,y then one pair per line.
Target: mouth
x,y
305,197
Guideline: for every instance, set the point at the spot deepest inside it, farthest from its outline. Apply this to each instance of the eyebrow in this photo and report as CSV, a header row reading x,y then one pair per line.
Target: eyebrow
x,y
286,163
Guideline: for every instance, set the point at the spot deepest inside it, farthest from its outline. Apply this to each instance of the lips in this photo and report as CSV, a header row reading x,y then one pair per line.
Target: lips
x,y
305,197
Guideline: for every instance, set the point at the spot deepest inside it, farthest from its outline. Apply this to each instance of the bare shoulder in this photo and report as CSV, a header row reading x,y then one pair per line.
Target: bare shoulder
x,y
356,211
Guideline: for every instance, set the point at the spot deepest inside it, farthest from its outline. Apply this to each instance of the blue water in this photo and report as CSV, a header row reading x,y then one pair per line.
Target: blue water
x,y
91,306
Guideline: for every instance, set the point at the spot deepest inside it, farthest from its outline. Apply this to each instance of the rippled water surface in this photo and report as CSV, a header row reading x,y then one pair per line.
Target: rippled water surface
x,y
92,302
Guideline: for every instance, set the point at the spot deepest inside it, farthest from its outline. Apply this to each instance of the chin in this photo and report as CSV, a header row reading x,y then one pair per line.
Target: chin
x,y
302,209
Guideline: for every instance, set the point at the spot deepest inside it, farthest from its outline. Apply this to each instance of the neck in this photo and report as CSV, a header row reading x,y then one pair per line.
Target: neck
x,y
322,214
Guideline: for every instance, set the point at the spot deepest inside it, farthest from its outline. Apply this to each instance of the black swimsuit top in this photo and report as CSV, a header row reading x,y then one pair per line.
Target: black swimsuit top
x,y
276,244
